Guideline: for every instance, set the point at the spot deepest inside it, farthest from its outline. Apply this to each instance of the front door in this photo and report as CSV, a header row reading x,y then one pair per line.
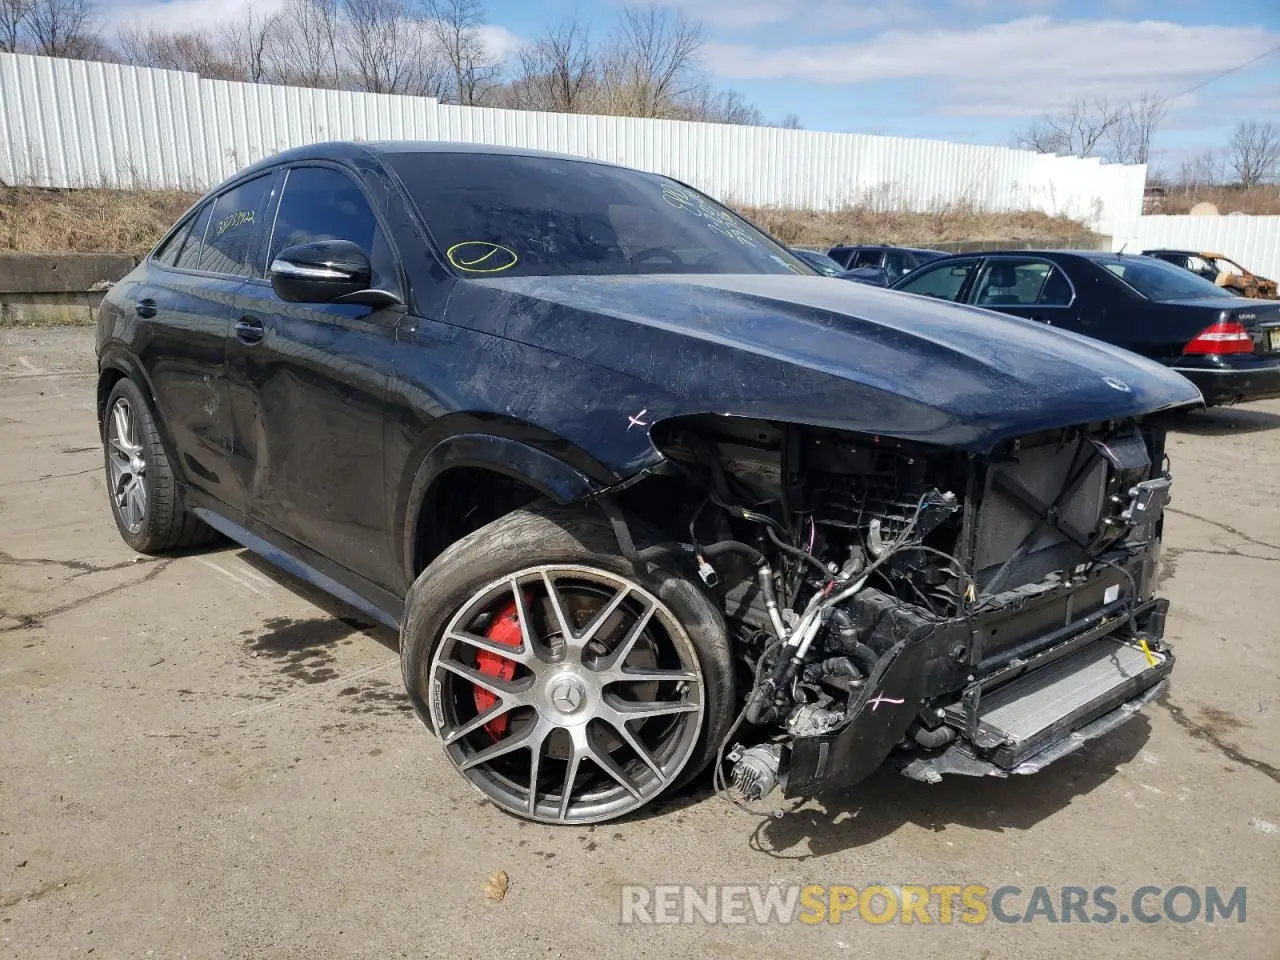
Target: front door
x,y
309,387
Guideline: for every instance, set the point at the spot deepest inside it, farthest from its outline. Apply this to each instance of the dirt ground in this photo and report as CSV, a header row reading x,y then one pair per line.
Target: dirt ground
x,y
201,758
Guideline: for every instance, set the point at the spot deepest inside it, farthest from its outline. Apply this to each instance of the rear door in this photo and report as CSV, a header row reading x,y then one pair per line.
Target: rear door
x,y
1033,288
183,315
309,385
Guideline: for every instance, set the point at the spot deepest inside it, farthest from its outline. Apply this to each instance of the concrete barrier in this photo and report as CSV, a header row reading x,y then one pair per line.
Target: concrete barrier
x,y
56,289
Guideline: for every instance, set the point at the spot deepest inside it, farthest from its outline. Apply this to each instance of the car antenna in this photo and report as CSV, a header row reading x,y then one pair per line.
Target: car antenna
x,y
1123,246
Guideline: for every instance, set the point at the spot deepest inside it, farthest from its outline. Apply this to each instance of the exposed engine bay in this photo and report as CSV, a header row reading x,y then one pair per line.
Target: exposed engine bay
x,y
956,613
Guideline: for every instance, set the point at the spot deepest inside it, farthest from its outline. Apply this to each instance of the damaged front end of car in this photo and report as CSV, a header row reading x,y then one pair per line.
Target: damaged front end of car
x,y
950,611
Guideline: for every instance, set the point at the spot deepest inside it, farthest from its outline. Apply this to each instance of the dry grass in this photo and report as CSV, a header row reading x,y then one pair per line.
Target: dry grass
x,y
869,224
1258,201
99,220
87,221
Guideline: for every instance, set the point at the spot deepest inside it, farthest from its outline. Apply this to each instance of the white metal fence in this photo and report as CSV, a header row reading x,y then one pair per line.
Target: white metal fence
x,y
1253,242
66,123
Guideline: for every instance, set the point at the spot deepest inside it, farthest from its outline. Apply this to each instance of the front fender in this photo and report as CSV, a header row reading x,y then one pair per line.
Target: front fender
x,y
551,477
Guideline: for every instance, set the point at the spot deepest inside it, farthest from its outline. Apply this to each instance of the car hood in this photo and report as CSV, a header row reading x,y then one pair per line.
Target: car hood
x,y
827,352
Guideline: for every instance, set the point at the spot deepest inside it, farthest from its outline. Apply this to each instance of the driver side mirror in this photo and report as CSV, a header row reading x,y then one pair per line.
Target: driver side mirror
x,y
326,271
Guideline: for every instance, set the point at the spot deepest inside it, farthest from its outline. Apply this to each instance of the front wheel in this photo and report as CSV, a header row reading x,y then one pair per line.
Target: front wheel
x,y
566,685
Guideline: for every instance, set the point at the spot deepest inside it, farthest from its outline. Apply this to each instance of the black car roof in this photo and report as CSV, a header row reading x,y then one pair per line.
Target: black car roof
x,y
350,150
1080,254
885,246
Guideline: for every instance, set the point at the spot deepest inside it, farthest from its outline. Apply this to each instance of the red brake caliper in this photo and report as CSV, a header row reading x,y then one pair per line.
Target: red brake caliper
x,y
505,630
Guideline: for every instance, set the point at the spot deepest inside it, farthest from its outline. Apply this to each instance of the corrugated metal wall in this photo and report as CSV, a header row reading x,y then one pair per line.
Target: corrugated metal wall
x,y
70,123
1253,242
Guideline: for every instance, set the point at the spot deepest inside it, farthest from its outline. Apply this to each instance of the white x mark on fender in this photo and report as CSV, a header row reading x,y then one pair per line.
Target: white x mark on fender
x,y
882,699
638,419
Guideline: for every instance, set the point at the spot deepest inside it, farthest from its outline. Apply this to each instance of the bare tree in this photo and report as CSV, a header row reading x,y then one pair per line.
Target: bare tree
x,y
61,28
13,14
1076,132
455,27
791,122
1254,152
727,106
197,51
1206,169
391,51
557,71
306,43
1130,138
247,44
653,63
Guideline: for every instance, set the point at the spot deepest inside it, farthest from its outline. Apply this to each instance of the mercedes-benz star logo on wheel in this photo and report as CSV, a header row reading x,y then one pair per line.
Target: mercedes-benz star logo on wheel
x,y
567,696
1115,384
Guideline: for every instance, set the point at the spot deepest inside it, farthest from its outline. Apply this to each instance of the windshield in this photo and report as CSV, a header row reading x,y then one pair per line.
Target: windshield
x,y
820,262
494,214
1160,281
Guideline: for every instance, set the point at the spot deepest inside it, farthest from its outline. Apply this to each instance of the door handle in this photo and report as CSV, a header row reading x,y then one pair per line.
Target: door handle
x,y
145,307
249,330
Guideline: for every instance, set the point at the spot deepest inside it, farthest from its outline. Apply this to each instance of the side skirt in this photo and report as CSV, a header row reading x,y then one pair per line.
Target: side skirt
x,y
369,600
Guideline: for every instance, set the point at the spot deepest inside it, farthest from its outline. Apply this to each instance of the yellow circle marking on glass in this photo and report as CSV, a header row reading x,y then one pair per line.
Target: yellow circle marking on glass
x,y
483,258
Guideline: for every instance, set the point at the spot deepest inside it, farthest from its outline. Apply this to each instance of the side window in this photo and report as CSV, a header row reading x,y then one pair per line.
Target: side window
x,y
1199,265
320,203
895,264
1011,283
193,245
233,226
167,254
1056,291
866,258
943,283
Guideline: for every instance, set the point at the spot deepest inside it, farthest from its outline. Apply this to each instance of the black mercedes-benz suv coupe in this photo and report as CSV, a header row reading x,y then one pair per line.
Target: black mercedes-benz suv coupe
x,y
641,492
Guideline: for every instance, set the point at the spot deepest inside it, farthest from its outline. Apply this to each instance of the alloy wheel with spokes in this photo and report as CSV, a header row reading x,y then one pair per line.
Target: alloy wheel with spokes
x,y
127,465
567,694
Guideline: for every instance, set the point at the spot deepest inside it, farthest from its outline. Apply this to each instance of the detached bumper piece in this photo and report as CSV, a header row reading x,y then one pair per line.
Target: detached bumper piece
x,y
1052,712
1025,710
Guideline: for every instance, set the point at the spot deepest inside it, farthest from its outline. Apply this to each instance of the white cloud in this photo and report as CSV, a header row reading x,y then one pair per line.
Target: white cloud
x,y
811,16
500,42
1026,66
181,14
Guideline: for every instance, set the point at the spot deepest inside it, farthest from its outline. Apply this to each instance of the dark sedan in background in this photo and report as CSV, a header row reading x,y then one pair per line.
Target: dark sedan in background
x,y
1226,345
896,262
819,261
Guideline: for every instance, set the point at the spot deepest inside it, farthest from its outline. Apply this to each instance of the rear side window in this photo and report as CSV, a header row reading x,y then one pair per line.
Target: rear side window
x,y
320,203
1012,283
233,227
167,254
193,245
942,283
866,258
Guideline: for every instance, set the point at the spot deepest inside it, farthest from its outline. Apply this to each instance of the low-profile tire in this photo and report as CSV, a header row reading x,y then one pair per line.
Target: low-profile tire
x,y
488,667
144,498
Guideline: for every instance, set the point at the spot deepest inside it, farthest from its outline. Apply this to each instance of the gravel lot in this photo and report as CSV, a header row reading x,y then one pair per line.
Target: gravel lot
x,y
203,758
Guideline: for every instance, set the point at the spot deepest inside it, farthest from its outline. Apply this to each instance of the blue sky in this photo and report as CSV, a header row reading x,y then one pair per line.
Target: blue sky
x,y
973,71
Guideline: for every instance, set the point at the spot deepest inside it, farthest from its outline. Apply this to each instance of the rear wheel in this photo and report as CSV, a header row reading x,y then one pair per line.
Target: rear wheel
x,y
144,497
565,685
